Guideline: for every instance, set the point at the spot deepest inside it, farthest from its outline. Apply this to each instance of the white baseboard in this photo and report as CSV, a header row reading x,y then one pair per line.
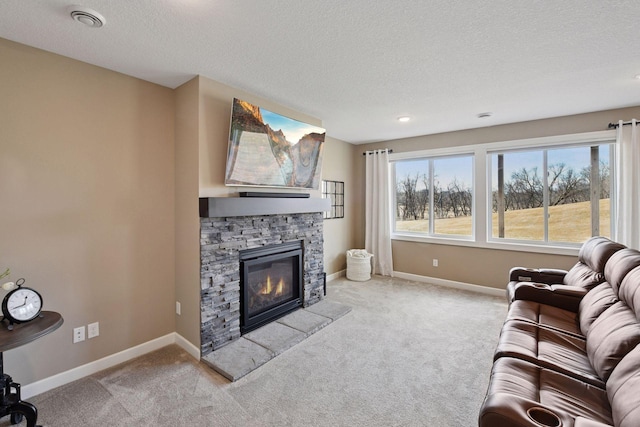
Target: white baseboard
x,y
336,275
450,284
30,390
187,346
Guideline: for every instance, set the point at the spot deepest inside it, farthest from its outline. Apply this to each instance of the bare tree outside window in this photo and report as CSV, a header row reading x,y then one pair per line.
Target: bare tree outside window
x,y
556,204
441,186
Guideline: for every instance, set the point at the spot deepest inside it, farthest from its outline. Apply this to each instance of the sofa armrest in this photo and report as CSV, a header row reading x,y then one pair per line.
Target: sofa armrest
x,y
561,296
572,291
548,276
508,410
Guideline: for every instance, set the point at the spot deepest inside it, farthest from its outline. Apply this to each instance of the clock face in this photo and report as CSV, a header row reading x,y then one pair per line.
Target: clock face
x,y
24,304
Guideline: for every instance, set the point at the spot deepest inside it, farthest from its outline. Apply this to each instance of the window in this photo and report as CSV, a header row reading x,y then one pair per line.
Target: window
x,y
433,196
334,190
546,194
557,194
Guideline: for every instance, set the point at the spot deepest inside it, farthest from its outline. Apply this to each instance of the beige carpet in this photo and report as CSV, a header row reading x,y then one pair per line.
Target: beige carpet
x,y
408,354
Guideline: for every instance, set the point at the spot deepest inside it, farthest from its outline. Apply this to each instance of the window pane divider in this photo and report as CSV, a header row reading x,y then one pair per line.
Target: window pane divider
x,y
545,194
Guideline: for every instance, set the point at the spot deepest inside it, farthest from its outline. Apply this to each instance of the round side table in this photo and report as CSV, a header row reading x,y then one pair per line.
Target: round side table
x,y
22,333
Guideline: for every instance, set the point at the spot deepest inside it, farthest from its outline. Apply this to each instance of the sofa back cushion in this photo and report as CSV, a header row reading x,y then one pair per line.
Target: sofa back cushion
x,y
593,304
611,336
592,258
582,275
629,291
622,390
596,251
620,263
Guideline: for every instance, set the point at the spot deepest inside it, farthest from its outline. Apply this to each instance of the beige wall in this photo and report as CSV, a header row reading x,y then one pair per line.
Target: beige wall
x,y
478,266
86,204
487,267
187,224
339,233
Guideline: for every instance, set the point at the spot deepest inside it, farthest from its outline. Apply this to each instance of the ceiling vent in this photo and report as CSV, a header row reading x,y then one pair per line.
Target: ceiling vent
x,y
88,17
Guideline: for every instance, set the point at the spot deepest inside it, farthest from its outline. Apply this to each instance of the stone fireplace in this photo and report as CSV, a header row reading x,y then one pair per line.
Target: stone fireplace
x,y
234,232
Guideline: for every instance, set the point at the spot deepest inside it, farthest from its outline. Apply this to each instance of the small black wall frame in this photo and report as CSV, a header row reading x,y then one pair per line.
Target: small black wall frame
x,y
334,190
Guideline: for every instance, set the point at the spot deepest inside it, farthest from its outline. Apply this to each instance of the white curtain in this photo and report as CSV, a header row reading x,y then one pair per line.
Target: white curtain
x,y
628,185
377,212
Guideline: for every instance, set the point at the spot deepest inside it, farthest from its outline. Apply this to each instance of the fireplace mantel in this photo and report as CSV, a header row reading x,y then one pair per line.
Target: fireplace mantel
x,y
221,207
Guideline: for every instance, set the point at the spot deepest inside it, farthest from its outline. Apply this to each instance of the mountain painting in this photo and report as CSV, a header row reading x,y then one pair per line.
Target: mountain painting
x,y
267,149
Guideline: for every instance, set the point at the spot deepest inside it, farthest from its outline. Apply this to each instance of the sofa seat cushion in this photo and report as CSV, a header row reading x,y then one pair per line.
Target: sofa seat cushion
x,y
614,334
545,316
593,304
554,350
516,386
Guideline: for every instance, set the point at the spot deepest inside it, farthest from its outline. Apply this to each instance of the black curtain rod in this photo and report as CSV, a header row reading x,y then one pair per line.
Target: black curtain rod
x,y
615,125
371,152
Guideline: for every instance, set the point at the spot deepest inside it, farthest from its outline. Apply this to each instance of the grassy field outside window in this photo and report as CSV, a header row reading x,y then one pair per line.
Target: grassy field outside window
x,y
567,223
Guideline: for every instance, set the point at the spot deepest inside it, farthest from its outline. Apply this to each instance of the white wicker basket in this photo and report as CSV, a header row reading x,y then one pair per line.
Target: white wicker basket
x,y
358,265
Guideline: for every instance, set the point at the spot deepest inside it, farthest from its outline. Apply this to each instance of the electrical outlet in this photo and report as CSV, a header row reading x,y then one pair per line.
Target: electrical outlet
x,y
78,334
178,307
93,330
435,262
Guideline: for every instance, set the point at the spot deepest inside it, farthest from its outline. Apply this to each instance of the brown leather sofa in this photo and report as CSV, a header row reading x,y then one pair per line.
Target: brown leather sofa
x,y
568,354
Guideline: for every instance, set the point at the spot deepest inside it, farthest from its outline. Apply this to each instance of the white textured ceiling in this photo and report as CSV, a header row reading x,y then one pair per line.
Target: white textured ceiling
x,y
359,64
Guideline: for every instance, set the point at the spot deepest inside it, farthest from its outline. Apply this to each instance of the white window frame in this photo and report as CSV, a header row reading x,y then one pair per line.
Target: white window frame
x,y
482,194
431,233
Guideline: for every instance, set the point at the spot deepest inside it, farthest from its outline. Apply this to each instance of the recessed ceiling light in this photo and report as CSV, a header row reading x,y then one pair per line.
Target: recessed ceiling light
x,y
88,17
637,76
404,118
485,115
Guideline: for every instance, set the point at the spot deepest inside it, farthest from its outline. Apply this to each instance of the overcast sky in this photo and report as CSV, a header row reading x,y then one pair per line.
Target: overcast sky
x,y
461,168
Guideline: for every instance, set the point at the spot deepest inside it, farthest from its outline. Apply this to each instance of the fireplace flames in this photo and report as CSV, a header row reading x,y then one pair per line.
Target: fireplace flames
x,y
267,289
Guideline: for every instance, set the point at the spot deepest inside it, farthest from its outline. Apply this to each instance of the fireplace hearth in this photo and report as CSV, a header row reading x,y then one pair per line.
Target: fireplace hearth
x,y
270,283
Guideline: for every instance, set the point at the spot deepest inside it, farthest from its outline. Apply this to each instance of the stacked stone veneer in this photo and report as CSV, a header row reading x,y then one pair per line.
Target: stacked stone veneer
x,y
221,240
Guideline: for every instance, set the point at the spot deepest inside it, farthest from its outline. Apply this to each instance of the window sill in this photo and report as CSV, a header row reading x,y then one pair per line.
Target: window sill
x,y
504,246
